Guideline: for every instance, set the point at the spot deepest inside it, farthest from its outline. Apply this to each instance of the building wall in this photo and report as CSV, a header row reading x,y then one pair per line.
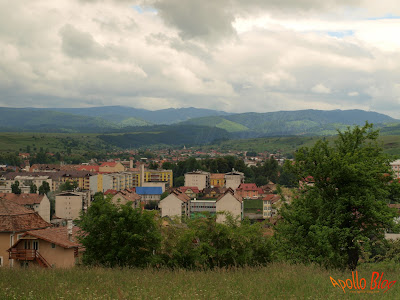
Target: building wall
x,y
231,205
4,245
201,181
57,257
43,209
171,206
7,239
155,184
68,207
233,181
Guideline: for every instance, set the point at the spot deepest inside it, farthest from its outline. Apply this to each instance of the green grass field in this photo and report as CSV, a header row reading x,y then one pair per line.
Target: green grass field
x,y
276,281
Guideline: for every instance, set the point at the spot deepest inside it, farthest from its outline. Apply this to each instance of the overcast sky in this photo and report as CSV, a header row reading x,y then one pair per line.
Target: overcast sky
x,y
231,55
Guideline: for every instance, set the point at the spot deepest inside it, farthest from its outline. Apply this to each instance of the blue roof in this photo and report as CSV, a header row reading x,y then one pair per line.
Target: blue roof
x,y
149,190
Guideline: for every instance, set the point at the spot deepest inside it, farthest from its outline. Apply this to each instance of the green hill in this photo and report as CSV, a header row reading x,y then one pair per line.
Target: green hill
x,y
284,123
218,122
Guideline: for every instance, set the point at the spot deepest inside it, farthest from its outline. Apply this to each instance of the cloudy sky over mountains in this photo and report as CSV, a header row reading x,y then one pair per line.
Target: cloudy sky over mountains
x,y
232,55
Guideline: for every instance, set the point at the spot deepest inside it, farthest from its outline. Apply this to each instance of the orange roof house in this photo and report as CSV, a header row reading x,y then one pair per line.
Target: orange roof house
x,y
50,247
249,190
36,202
15,220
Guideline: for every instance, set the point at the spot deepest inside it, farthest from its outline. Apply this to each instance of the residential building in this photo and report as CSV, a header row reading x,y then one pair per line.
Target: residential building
x,y
396,168
111,167
249,190
217,180
199,179
175,204
81,177
55,247
125,196
149,193
230,203
269,208
160,184
15,220
234,179
36,202
190,191
214,192
25,182
70,204
111,181
147,175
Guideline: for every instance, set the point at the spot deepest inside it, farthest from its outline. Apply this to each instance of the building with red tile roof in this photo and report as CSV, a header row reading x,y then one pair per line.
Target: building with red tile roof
x,y
14,221
50,247
36,202
249,190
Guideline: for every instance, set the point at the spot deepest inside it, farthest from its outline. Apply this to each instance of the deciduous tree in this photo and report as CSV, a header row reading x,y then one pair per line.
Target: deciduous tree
x,y
346,206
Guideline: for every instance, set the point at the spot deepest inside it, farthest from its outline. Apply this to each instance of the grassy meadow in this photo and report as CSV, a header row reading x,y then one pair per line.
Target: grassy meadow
x,y
276,281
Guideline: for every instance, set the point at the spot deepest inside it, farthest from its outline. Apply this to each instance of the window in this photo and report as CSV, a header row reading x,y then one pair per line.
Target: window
x,y
53,245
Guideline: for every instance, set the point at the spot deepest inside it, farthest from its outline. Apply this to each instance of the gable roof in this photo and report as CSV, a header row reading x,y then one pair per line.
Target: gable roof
x,y
88,168
128,195
247,187
181,196
149,190
16,218
230,191
56,235
23,199
194,189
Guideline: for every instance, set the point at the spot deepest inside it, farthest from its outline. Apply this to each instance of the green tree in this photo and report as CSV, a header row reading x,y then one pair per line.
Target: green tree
x,y
68,186
15,189
119,235
153,166
329,222
203,243
33,188
44,188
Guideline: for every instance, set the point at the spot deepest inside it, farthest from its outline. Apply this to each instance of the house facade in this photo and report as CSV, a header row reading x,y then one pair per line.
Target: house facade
x,y
234,179
55,247
229,203
175,205
68,205
15,220
199,179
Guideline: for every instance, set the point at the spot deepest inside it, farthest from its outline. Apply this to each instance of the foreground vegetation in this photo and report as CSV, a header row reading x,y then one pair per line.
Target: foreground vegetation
x,y
276,281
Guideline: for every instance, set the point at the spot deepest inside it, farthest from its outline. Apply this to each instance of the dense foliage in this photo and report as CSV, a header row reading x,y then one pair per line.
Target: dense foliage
x,y
119,235
329,221
203,243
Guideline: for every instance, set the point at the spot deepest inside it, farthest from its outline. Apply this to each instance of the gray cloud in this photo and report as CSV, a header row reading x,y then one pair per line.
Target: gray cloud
x,y
79,44
109,52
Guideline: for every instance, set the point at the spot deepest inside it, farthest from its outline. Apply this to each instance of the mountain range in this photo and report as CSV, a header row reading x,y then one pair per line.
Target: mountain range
x,y
124,120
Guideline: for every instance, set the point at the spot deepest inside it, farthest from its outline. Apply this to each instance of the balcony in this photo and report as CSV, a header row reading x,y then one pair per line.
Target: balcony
x,y
28,254
22,254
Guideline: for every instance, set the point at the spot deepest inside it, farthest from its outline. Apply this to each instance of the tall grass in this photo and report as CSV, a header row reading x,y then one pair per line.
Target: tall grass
x,y
276,281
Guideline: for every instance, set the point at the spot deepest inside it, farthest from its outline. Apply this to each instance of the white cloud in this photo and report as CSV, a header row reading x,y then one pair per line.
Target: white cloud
x,y
321,89
353,94
229,55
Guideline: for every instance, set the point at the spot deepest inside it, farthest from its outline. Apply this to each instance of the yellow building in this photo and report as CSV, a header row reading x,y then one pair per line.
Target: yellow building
x,y
217,180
